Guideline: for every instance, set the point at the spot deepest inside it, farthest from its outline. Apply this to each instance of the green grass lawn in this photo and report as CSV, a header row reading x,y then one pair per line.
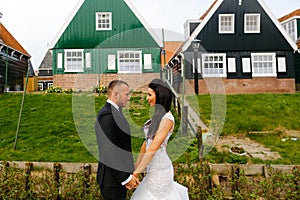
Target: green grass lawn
x,y
59,127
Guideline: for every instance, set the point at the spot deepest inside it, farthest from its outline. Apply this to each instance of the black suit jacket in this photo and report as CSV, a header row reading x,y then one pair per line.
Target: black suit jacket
x,y
114,144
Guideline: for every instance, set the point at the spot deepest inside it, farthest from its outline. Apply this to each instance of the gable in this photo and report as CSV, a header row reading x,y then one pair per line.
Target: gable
x,y
9,40
127,27
270,31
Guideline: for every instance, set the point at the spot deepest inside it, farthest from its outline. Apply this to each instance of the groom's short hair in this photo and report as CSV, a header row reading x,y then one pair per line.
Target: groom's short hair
x,y
113,84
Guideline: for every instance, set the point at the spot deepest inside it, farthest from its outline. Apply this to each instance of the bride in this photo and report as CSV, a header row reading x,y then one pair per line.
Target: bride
x,y
158,183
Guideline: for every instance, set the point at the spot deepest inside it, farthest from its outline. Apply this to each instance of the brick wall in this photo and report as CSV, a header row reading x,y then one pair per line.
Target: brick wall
x,y
245,86
86,82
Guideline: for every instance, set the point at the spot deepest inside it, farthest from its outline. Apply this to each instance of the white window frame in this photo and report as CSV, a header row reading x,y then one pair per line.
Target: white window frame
x,y
261,66
252,23
210,65
103,21
49,84
74,62
129,61
226,23
290,28
41,86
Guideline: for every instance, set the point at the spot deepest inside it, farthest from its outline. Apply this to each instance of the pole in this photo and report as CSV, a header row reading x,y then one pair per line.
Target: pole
x,y
21,110
196,71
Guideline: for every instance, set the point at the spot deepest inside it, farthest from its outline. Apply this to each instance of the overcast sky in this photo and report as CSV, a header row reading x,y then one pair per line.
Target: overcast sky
x,y
35,23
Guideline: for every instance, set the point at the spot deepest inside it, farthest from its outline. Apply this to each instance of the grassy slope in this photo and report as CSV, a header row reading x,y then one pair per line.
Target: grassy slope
x,y
47,131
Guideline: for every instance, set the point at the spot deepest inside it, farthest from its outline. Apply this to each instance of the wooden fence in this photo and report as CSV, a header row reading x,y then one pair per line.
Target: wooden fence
x,y
218,174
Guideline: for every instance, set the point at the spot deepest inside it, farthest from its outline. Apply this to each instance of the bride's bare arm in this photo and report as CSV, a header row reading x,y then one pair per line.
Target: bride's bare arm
x,y
164,128
141,154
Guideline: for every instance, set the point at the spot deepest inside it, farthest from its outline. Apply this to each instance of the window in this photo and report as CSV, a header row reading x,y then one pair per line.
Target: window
x,y
49,85
252,23
290,29
130,61
263,64
214,65
74,60
103,21
226,23
41,86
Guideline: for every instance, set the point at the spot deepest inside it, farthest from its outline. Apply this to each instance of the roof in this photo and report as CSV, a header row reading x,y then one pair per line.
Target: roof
x,y
290,15
208,10
171,48
129,4
214,7
7,39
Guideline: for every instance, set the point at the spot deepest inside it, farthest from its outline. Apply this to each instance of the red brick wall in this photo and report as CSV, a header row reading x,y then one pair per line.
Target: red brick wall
x,y
245,86
86,82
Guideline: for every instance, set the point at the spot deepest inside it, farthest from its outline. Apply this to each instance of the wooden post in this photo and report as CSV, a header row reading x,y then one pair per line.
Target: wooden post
x,y
56,169
184,121
235,178
206,174
27,175
200,143
86,173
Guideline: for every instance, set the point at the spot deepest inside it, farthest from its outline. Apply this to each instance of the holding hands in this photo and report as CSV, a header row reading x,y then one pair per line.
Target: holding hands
x,y
133,183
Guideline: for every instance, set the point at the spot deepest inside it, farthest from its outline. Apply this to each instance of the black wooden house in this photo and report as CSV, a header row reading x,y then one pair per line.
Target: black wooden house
x,y
243,45
14,62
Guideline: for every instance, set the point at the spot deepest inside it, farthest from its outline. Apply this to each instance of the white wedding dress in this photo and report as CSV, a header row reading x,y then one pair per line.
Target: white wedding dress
x,y
158,184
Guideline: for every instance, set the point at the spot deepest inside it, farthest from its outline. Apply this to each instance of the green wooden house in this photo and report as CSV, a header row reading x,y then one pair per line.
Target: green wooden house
x,y
104,40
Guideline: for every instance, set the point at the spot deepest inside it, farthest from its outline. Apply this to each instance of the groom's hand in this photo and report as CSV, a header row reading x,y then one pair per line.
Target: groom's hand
x,y
133,183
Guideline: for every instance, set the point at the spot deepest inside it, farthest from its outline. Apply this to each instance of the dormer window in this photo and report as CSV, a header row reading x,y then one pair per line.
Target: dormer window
x,y
226,23
252,23
103,21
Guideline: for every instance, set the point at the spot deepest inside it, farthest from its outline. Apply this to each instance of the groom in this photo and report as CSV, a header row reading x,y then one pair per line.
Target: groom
x,y
116,164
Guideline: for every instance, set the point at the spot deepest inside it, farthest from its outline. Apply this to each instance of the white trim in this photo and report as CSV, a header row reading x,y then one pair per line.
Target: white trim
x,y
97,19
231,65
201,25
273,74
232,21
223,74
216,6
148,61
59,60
82,60
130,71
143,21
130,5
278,25
258,15
281,64
294,22
66,24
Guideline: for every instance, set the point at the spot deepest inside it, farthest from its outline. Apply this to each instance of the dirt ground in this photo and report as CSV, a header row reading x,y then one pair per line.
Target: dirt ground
x,y
253,148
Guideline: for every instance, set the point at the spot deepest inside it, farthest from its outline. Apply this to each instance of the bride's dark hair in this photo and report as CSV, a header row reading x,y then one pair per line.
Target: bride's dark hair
x,y
164,98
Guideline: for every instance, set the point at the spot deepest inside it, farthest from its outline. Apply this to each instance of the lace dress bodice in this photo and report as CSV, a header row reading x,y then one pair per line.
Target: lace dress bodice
x,y
158,184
